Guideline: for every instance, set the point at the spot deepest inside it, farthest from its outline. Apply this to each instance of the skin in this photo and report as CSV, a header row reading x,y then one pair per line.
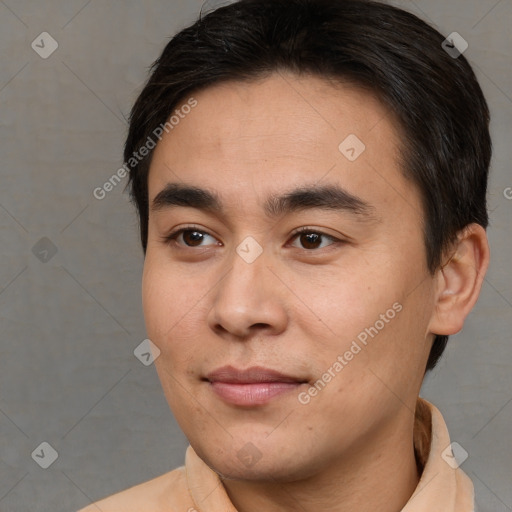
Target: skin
x,y
296,308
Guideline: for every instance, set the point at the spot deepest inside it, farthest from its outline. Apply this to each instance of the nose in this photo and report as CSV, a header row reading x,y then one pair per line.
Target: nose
x,y
248,299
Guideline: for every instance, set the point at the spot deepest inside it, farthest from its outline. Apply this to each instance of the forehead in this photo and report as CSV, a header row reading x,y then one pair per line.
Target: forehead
x,y
247,139
300,112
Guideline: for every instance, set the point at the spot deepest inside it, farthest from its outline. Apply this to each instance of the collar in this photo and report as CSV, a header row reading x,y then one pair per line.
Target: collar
x,y
441,487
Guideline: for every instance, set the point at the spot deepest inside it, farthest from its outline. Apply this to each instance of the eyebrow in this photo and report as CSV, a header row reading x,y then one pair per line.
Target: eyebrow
x,y
327,197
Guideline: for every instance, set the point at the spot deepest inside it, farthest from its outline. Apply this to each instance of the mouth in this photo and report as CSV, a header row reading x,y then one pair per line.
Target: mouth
x,y
253,386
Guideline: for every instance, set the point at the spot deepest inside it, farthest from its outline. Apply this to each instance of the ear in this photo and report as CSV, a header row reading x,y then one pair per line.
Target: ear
x,y
459,281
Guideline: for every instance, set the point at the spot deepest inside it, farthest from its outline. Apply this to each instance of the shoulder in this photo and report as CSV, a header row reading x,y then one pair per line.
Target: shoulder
x,y
164,493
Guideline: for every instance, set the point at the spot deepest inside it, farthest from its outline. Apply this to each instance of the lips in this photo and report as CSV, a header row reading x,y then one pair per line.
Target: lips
x,y
255,374
252,386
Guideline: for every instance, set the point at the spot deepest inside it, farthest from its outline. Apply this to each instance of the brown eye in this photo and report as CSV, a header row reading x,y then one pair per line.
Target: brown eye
x,y
312,240
189,237
192,238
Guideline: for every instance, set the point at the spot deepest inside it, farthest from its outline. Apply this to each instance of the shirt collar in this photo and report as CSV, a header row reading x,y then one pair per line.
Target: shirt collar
x,y
441,486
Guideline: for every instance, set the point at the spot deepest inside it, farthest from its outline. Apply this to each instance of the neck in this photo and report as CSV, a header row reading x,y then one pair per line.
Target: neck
x,y
381,474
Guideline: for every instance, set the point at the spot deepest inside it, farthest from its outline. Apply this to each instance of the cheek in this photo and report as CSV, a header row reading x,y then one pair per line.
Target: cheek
x,y
165,305
157,304
167,296
175,309
365,313
343,302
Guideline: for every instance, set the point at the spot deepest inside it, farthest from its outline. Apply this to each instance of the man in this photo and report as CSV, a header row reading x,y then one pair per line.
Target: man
x,y
313,221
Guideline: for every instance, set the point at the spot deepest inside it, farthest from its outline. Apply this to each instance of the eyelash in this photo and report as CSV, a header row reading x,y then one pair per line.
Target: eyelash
x,y
175,234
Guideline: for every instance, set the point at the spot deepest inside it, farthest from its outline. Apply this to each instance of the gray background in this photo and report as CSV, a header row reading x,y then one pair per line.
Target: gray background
x,y
69,326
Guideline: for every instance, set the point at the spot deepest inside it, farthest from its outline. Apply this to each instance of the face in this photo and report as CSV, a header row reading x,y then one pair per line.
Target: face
x,y
339,311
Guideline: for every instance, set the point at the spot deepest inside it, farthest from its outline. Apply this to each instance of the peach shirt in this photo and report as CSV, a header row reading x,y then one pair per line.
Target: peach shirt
x,y
195,487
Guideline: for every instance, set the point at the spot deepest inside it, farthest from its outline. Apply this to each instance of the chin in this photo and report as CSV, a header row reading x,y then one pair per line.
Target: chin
x,y
246,463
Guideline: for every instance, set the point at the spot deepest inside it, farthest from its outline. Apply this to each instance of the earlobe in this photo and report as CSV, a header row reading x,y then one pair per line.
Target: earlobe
x,y
459,280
